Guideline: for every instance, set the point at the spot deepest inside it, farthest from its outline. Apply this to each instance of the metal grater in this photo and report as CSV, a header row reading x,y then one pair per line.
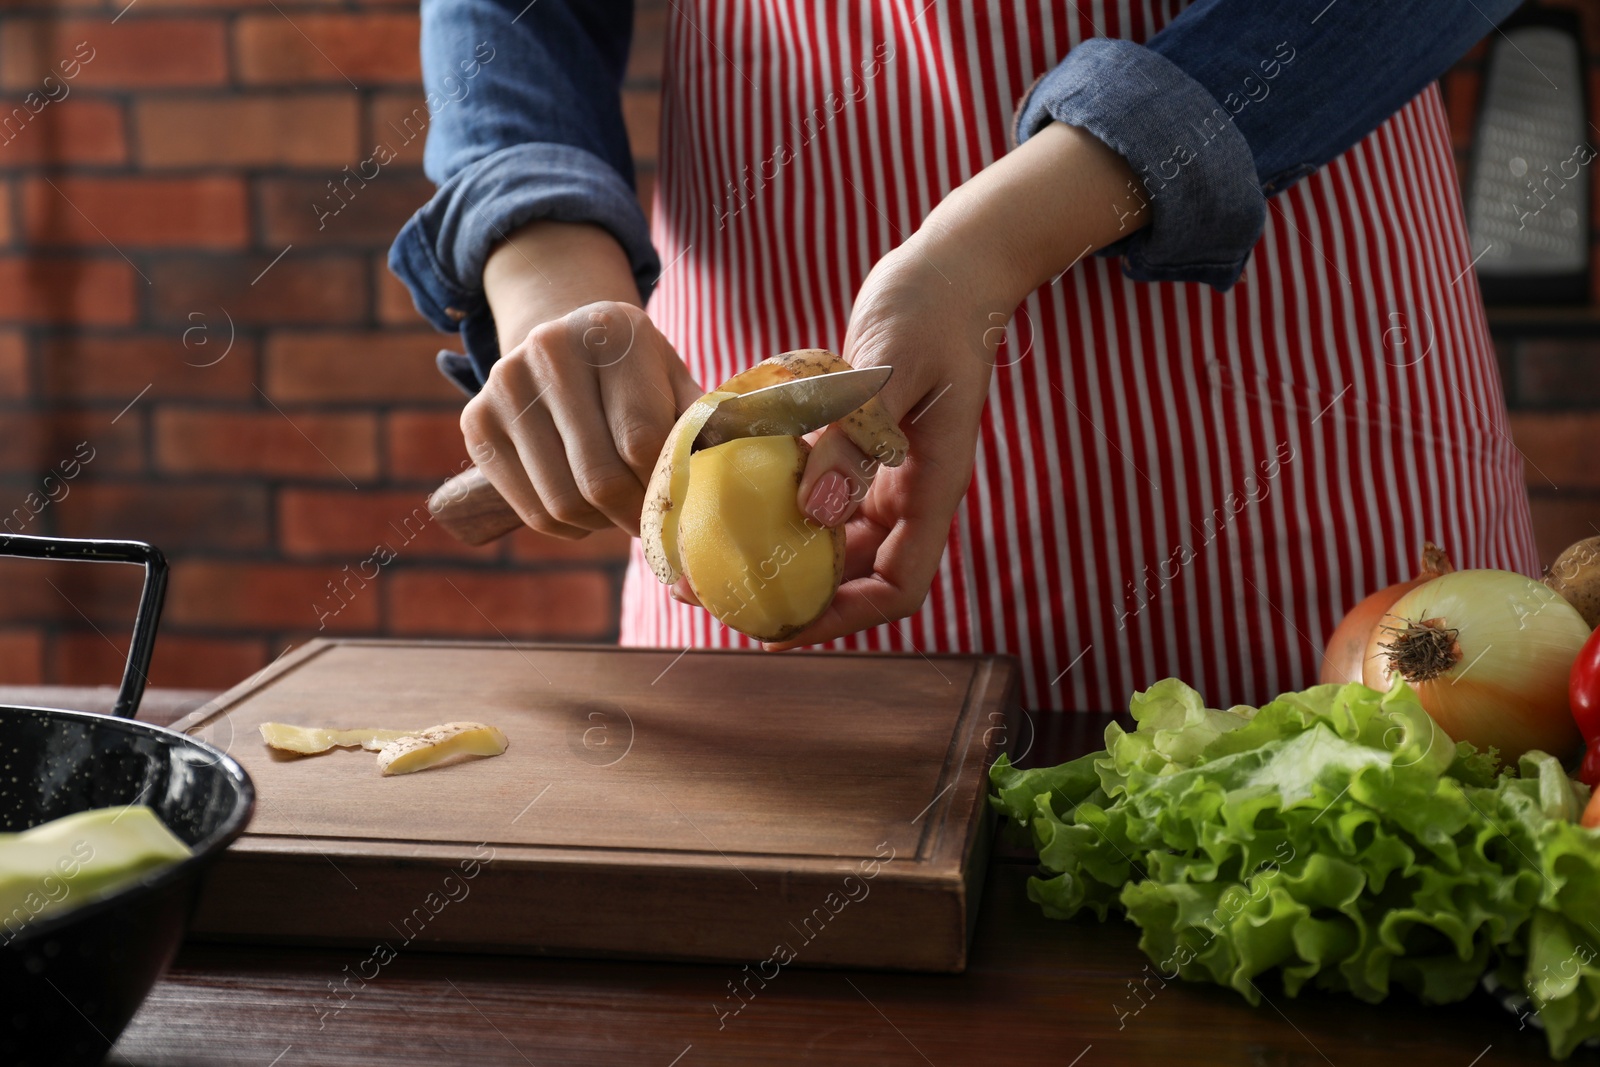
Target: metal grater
x,y
1528,201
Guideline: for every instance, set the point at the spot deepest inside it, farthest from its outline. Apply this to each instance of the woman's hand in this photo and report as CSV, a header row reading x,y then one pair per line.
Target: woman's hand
x,y
935,309
586,388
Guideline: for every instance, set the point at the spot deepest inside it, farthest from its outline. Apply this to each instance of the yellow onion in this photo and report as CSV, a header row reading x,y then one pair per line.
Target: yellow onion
x,y
1488,653
1345,659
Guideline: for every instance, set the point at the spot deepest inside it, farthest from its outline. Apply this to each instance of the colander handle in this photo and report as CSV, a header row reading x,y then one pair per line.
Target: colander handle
x,y
150,599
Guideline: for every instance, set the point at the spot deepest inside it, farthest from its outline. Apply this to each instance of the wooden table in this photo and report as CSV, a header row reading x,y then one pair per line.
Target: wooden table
x,y
1036,992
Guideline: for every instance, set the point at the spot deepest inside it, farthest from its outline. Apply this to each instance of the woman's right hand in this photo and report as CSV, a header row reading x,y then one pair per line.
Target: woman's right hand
x,y
577,408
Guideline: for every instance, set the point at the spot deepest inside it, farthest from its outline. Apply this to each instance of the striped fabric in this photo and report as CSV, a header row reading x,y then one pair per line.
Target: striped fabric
x,y
1170,481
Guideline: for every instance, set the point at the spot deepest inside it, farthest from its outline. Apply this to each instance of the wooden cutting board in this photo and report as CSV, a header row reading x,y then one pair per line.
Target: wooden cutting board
x,y
770,810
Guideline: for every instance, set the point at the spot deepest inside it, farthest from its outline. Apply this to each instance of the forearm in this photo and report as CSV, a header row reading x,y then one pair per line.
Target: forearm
x,y
547,269
1015,228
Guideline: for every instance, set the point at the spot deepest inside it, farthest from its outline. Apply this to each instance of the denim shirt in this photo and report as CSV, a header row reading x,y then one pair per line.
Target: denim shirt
x,y
1232,102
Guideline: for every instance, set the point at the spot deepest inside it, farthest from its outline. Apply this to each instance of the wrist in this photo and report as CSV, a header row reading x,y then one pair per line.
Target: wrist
x,y
1033,213
545,270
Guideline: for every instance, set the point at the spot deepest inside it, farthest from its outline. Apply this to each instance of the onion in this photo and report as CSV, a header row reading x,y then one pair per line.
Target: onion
x,y
1489,654
1346,656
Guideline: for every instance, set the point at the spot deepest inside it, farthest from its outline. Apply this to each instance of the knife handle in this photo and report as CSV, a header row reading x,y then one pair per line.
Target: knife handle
x,y
472,509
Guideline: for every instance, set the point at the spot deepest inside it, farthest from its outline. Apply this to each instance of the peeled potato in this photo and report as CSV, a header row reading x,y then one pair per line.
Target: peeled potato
x,y
753,559
669,484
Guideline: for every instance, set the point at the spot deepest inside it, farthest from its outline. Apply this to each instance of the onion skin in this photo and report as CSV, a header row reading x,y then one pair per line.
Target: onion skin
x,y
1344,660
1503,649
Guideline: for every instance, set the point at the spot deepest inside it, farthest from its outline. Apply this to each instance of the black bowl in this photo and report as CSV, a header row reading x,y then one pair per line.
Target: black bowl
x,y
70,982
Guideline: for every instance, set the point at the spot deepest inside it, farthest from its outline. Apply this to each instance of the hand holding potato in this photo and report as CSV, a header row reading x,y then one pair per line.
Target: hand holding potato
x,y
935,309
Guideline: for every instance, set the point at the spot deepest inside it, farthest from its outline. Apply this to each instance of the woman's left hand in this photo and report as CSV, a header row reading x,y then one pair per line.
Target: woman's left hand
x,y
935,309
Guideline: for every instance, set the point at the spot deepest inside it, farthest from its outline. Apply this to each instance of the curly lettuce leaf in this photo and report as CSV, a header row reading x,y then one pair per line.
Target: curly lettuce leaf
x,y
1334,838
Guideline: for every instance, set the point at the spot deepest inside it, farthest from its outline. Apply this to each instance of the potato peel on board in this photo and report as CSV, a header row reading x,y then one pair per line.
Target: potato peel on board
x,y
439,743
310,740
399,751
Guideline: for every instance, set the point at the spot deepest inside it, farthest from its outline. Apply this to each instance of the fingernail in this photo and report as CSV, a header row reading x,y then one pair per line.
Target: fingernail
x,y
829,499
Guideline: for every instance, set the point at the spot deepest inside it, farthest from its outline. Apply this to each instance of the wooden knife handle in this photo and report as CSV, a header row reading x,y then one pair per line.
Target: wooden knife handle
x,y
472,509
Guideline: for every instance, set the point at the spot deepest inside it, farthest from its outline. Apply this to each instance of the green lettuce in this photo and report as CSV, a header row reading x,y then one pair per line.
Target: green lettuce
x,y
1335,838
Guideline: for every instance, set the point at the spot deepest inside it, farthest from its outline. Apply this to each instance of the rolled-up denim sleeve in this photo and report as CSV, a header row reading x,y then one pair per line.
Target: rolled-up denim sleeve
x,y
525,122
1236,100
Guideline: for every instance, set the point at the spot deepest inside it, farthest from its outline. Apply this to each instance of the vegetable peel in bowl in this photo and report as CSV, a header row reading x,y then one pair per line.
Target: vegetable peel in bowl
x,y
1336,839
79,858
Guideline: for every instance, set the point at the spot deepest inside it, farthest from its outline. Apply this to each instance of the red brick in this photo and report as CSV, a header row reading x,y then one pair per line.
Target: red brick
x,y
649,44
1559,519
352,212
424,446
180,661
7,228
275,596
376,366
255,290
603,546
87,131
399,121
21,657
1461,104
1554,372
573,604
41,592
55,289
291,443
1559,448
137,52
14,376
298,130
49,442
395,307
1594,268
329,48
342,525
641,110
217,5
178,518
79,366
136,212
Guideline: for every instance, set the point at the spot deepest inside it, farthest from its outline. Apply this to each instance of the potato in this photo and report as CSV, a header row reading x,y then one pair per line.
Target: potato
x,y
669,483
1576,576
727,518
753,559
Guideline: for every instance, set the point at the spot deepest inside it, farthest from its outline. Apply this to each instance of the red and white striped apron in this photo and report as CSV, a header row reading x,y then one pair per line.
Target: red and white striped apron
x,y
1169,481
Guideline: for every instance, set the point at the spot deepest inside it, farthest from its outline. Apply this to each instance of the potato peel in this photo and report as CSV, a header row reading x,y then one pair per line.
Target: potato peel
x,y
669,484
438,743
310,740
869,427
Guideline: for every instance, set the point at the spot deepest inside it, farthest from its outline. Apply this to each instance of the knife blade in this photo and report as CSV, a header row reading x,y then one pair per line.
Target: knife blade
x,y
792,408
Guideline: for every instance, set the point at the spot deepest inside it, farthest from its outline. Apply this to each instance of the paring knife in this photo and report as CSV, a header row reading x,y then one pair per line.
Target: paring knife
x,y
474,511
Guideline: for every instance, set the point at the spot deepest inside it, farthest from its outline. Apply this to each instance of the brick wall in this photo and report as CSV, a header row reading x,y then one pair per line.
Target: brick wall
x,y
171,185
186,357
